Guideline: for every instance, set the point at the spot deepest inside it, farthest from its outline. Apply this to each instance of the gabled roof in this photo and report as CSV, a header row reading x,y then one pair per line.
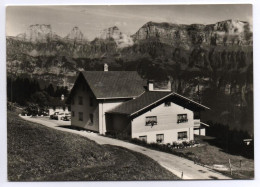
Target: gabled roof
x,y
149,99
114,84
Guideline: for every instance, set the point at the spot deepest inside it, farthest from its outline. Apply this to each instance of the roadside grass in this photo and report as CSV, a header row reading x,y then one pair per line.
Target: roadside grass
x,y
38,153
206,154
209,155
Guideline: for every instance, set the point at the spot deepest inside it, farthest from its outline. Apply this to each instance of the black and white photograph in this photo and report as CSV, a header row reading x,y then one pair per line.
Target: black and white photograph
x,y
129,92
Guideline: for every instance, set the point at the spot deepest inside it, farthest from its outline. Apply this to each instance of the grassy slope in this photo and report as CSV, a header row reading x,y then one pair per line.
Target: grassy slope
x,y
209,155
38,153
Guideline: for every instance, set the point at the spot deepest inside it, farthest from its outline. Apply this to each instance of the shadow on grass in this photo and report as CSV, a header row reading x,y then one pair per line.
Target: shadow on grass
x,y
228,147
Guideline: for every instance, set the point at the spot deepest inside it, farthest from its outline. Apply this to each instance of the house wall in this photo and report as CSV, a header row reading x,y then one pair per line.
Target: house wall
x,y
166,124
104,106
86,109
118,123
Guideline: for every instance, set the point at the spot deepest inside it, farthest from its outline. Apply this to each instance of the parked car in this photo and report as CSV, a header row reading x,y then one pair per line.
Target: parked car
x,y
54,116
62,115
67,118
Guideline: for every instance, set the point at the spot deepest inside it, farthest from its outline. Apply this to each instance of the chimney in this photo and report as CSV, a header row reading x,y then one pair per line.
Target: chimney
x,y
105,67
150,85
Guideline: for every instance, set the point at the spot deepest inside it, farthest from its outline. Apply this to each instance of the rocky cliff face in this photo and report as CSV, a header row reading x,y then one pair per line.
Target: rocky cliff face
x,y
121,39
75,35
229,32
223,46
205,62
38,33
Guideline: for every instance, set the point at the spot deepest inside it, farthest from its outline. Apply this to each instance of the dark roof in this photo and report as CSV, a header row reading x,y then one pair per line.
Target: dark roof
x,y
139,103
114,84
150,98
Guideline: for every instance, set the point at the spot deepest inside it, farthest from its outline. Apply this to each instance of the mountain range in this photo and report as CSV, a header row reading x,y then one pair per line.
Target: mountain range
x,y
203,62
39,51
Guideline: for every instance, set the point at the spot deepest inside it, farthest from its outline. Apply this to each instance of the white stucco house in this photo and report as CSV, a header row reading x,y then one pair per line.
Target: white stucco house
x,y
122,102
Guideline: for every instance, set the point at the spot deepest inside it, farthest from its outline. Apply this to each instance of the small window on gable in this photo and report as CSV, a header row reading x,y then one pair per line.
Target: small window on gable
x,y
182,118
167,104
159,138
151,120
143,138
91,118
80,100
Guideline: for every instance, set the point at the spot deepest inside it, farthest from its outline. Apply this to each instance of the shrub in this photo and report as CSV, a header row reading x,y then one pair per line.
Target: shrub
x,y
180,145
32,109
186,144
174,144
10,106
192,142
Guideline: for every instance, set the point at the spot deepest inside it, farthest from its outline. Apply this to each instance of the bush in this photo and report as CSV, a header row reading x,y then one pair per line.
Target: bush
x,y
32,109
10,106
180,145
192,142
174,144
186,144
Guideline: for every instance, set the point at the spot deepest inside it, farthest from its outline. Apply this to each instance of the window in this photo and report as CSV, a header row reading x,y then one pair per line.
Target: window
x,y
91,118
80,116
151,120
90,101
143,138
159,138
182,118
182,135
80,100
72,113
167,104
72,101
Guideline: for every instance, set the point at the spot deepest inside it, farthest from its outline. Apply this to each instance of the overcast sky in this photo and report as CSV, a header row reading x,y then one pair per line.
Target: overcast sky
x,y
92,19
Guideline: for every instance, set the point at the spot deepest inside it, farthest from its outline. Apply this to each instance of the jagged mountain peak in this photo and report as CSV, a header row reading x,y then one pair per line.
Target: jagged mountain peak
x,y
122,40
165,25
40,26
75,34
38,33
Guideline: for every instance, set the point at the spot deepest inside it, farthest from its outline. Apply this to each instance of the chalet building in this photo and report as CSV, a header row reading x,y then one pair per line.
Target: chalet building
x,y
122,102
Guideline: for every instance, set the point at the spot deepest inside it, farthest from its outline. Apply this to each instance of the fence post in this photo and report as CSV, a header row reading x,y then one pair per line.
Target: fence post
x,y
230,167
182,174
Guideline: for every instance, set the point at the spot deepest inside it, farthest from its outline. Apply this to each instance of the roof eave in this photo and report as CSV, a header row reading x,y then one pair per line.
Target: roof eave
x,y
117,113
151,104
130,97
192,101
